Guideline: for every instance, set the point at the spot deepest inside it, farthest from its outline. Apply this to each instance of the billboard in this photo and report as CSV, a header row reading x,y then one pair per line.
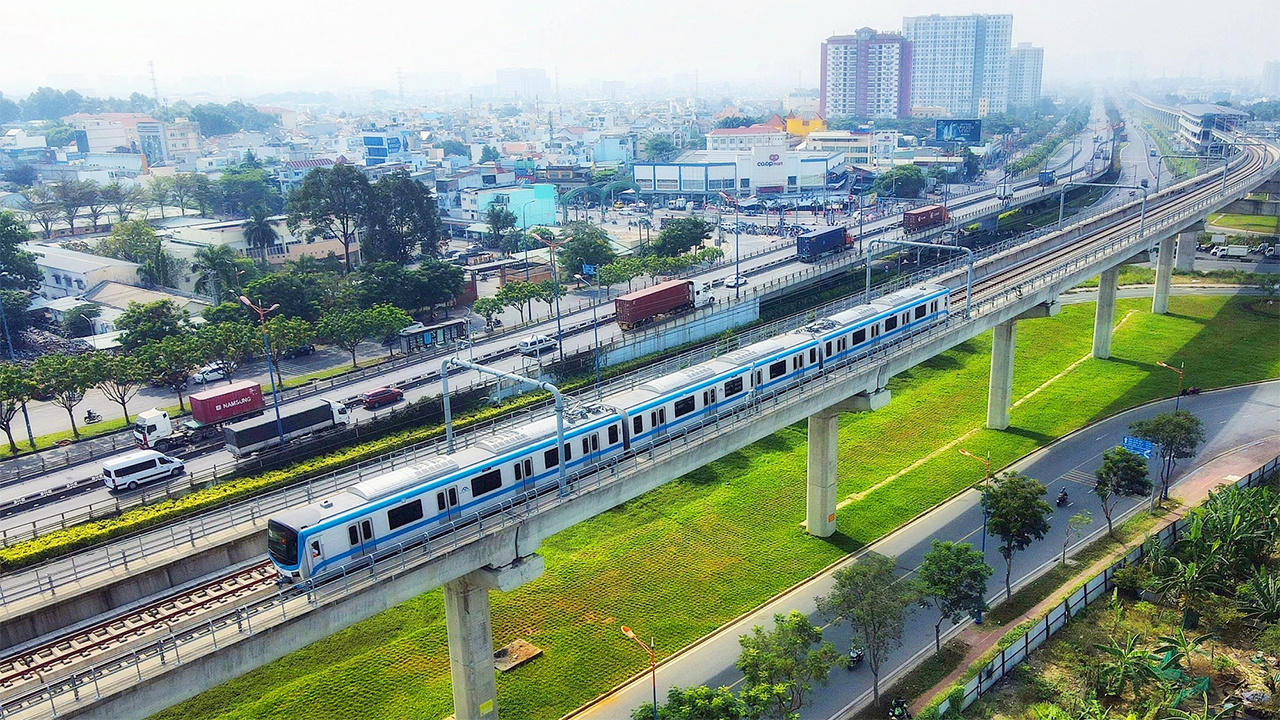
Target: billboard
x,y
968,132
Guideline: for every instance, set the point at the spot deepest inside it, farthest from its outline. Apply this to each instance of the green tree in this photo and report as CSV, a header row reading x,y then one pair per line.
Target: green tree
x,y
489,154
518,294
150,322
16,387
869,596
402,218
243,188
295,294
1125,664
385,320
487,308
1016,515
1180,647
72,196
623,269
348,328
1122,474
330,202
183,190
453,147
120,377
21,271
217,271
792,656
78,321
1188,586
500,220
65,378
96,206
695,703
42,207
171,361
285,334
584,243
952,579
159,190
228,312
1075,529
1177,435
660,148
123,200
16,309
259,232
547,291
905,181
160,268
230,344
205,194
682,235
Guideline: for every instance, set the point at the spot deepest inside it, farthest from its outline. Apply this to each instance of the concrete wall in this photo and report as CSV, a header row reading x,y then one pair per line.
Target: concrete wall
x,y
699,325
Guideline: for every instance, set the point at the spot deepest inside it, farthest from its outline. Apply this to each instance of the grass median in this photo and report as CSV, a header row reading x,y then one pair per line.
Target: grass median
x,y
684,559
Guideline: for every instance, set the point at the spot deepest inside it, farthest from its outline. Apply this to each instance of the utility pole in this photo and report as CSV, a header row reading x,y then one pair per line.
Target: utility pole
x,y
155,88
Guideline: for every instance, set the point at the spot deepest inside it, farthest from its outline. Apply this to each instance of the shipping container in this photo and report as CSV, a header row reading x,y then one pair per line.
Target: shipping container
x,y
674,296
924,217
814,244
305,418
219,405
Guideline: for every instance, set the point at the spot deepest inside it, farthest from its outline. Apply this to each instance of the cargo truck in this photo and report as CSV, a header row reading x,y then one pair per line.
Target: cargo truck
x,y
662,300
210,409
923,218
1047,177
297,419
815,244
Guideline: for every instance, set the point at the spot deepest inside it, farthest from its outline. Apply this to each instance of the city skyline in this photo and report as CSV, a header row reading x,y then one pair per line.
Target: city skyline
x,y
277,48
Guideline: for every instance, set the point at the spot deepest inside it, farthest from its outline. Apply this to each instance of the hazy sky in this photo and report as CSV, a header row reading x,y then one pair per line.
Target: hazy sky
x,y
104,45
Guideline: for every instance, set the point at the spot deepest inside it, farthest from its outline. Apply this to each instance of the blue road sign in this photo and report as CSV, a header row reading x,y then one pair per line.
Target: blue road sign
x,y
588,269
1138,447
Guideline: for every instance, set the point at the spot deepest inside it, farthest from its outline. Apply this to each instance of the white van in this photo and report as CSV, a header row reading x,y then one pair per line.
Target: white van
x,y
130,471
536,345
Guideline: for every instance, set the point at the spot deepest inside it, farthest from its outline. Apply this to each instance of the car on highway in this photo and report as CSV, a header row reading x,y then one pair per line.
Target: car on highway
x,y
536,345
209,373
734,281
298,352
129,471
381,396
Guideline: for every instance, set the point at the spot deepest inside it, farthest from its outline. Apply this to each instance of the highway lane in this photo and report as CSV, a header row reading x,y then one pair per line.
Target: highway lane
x,y
1232,418
760,270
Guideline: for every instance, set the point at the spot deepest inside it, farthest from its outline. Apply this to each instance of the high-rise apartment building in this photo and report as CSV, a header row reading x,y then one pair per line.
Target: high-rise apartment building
x,y
867,74
959,64
1026,68
1271,79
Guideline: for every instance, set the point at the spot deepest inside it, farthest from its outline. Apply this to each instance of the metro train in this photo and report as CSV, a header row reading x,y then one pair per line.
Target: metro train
x,y
434,497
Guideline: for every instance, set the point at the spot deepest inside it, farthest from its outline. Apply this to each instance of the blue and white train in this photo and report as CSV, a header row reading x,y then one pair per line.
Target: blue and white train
x,y
431,498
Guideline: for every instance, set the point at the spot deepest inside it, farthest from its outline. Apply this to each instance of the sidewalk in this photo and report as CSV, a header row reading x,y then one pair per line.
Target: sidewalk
x,y
1191,491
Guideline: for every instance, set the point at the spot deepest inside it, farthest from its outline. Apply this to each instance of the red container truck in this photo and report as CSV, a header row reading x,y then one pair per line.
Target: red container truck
x,y
209,410
925,217
664,299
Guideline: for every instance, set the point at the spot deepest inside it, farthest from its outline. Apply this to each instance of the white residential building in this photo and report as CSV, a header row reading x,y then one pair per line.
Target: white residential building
x,y
1271,79
68,272
1026,68
867,74
959,64
746,138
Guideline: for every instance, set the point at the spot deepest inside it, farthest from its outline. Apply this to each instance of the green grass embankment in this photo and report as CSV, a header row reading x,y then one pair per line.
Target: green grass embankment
x,y
684,559
1252,223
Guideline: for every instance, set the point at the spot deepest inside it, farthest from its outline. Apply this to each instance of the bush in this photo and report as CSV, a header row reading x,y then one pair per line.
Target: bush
x,y
1132,580
1269,640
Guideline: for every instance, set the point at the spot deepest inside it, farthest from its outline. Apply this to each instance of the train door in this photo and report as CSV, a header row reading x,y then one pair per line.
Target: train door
x,y
447,504
360,535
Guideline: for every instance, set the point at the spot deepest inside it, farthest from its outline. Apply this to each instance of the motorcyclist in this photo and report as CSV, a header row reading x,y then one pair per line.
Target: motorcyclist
x,y
1062,497
855,657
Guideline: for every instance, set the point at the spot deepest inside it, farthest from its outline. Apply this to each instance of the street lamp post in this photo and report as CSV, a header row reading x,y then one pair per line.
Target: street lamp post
x,y
737,245
4,320
653,664
524,220
1181,370
555,279
266,347
1160,166
986,463
595,333
1142,220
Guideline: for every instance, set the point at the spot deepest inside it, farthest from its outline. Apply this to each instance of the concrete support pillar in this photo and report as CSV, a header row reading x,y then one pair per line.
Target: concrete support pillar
x,y
470,631
1185,259
1104,318
1164,275
1000,392
824,430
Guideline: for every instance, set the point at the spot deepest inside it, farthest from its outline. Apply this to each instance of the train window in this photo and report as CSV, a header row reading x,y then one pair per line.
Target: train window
x,y
528,467
405,514
354,535
842,344
828,348
595,441
933,306
551,458
440,502
662,415
813,355
796,362
732,386
758,378
875,330
453,497
921,310
890,322
366,528
485,483
684,406
653,419
778,369
637,425
613,434
906,317
859,336
568,452
315,549
519,472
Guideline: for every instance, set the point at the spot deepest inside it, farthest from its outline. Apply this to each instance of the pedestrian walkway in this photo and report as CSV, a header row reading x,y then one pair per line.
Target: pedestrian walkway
x,y
1191,492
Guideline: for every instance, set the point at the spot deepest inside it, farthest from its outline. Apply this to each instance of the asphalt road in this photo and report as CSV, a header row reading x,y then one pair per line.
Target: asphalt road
x,y
758,270
1232,418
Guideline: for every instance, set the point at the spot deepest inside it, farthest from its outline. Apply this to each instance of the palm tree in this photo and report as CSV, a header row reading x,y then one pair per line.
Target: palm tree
x,y
1178,647
1129,664
216,265
259,232
1186,586
1259,597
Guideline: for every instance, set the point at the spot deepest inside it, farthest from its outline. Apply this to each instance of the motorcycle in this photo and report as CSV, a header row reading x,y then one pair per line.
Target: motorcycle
x,y
898,710
855,658
91,417
1062,497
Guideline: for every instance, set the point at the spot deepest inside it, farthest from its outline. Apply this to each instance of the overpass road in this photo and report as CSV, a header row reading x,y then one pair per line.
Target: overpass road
x,y
776,265
1233,418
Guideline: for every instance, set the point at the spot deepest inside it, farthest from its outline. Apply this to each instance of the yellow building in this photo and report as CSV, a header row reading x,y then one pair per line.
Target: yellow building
x,y
803,123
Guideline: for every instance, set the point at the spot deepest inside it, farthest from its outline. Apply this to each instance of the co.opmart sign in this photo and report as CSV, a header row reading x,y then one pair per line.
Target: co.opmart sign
x,y
773,160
